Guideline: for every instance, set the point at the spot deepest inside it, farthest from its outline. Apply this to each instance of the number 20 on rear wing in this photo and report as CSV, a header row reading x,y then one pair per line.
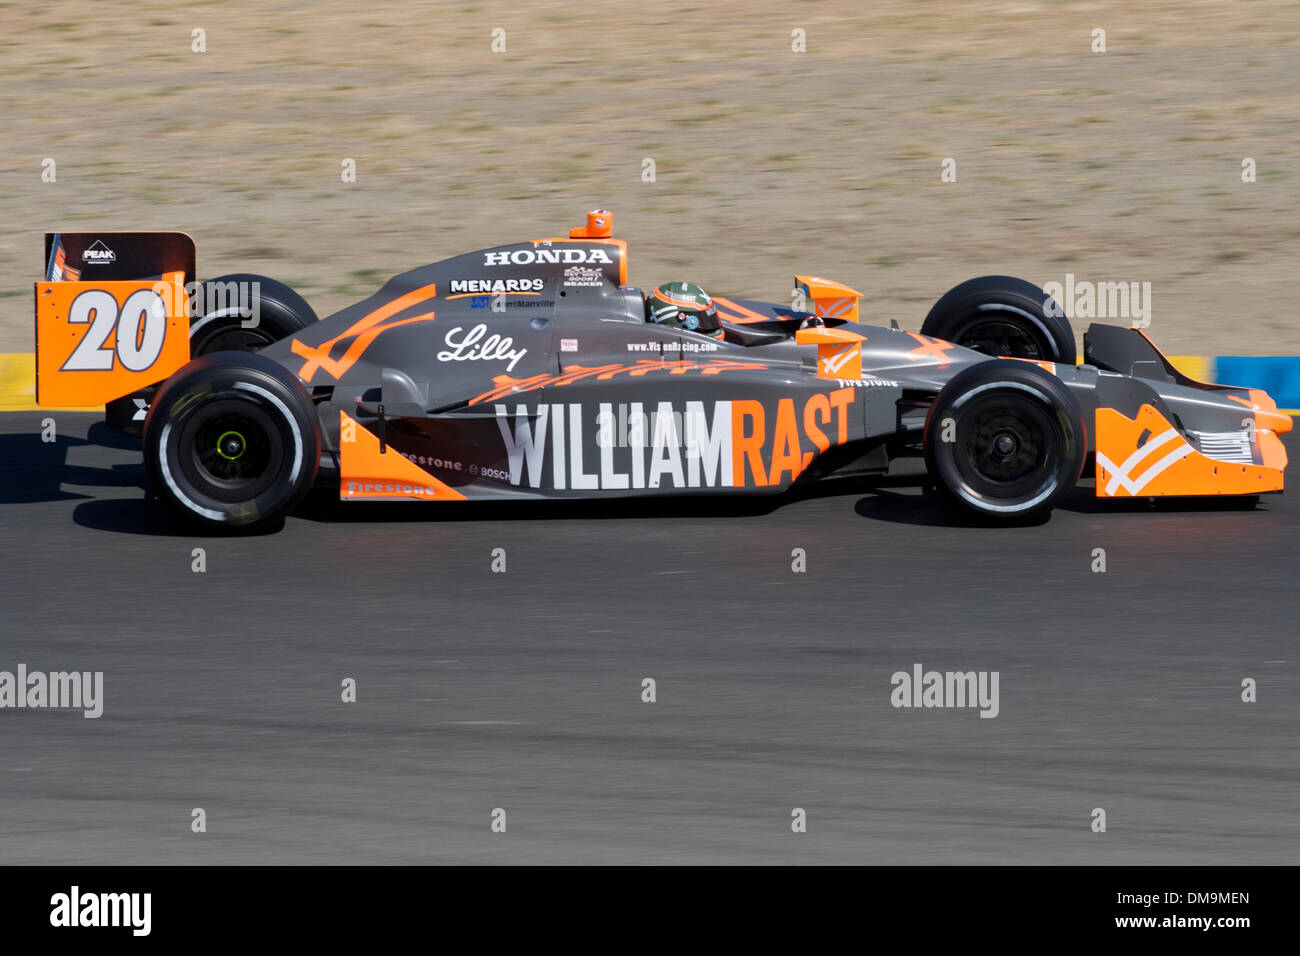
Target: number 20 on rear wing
x,y
112,314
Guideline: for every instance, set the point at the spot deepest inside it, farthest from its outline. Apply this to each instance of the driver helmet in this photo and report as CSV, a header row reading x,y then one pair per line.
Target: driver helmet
x,y
685,306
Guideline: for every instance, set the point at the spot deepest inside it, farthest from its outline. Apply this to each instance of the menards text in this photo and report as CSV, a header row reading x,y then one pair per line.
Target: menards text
x,y
727,444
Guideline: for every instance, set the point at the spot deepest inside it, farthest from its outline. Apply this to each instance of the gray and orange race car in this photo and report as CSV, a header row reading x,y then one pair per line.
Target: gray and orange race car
x,y
530,370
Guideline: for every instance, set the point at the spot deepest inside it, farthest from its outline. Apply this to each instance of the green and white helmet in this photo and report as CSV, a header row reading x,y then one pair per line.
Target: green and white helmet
x,y
686,306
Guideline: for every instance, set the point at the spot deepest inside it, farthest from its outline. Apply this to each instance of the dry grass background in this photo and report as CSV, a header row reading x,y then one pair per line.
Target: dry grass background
x,y
1117,166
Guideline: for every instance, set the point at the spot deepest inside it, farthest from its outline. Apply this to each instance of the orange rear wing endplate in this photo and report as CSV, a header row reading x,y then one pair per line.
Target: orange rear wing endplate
x,y
97,341
112,314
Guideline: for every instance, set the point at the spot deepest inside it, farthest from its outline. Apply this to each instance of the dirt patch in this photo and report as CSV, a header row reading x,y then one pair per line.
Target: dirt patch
x,y
1115,166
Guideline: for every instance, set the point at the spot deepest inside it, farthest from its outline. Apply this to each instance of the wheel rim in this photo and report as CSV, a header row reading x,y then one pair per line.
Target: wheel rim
x,y
232,445
231,450
1003,336
1010,448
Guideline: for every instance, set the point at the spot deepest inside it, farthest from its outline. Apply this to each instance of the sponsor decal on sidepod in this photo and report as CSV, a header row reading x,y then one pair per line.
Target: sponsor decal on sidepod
x,y
721,444
464,346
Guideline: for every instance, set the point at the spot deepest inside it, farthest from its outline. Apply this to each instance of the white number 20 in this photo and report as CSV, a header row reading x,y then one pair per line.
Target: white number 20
x,y
141,327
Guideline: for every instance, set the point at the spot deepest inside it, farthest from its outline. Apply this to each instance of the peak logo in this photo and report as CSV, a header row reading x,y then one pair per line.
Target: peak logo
x,y
528,257
98,254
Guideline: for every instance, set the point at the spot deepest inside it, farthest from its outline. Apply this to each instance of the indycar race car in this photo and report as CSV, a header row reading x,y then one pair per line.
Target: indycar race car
x,y
533,370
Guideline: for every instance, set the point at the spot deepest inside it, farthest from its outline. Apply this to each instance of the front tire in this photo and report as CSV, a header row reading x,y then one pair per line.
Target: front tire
x,y
1006,440
232,441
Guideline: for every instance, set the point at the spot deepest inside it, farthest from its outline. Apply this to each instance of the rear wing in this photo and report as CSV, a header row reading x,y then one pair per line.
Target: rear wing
x,y
112,314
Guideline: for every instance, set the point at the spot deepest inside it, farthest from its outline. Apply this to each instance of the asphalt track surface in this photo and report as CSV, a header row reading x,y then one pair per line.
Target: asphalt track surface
x,y
522,691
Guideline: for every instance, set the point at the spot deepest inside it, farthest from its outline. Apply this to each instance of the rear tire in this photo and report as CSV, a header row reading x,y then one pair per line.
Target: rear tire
x,y
1006,440
221,308
232,441
1005,317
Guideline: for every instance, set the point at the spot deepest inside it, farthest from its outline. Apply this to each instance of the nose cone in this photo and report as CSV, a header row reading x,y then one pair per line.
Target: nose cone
x,y
1266,413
